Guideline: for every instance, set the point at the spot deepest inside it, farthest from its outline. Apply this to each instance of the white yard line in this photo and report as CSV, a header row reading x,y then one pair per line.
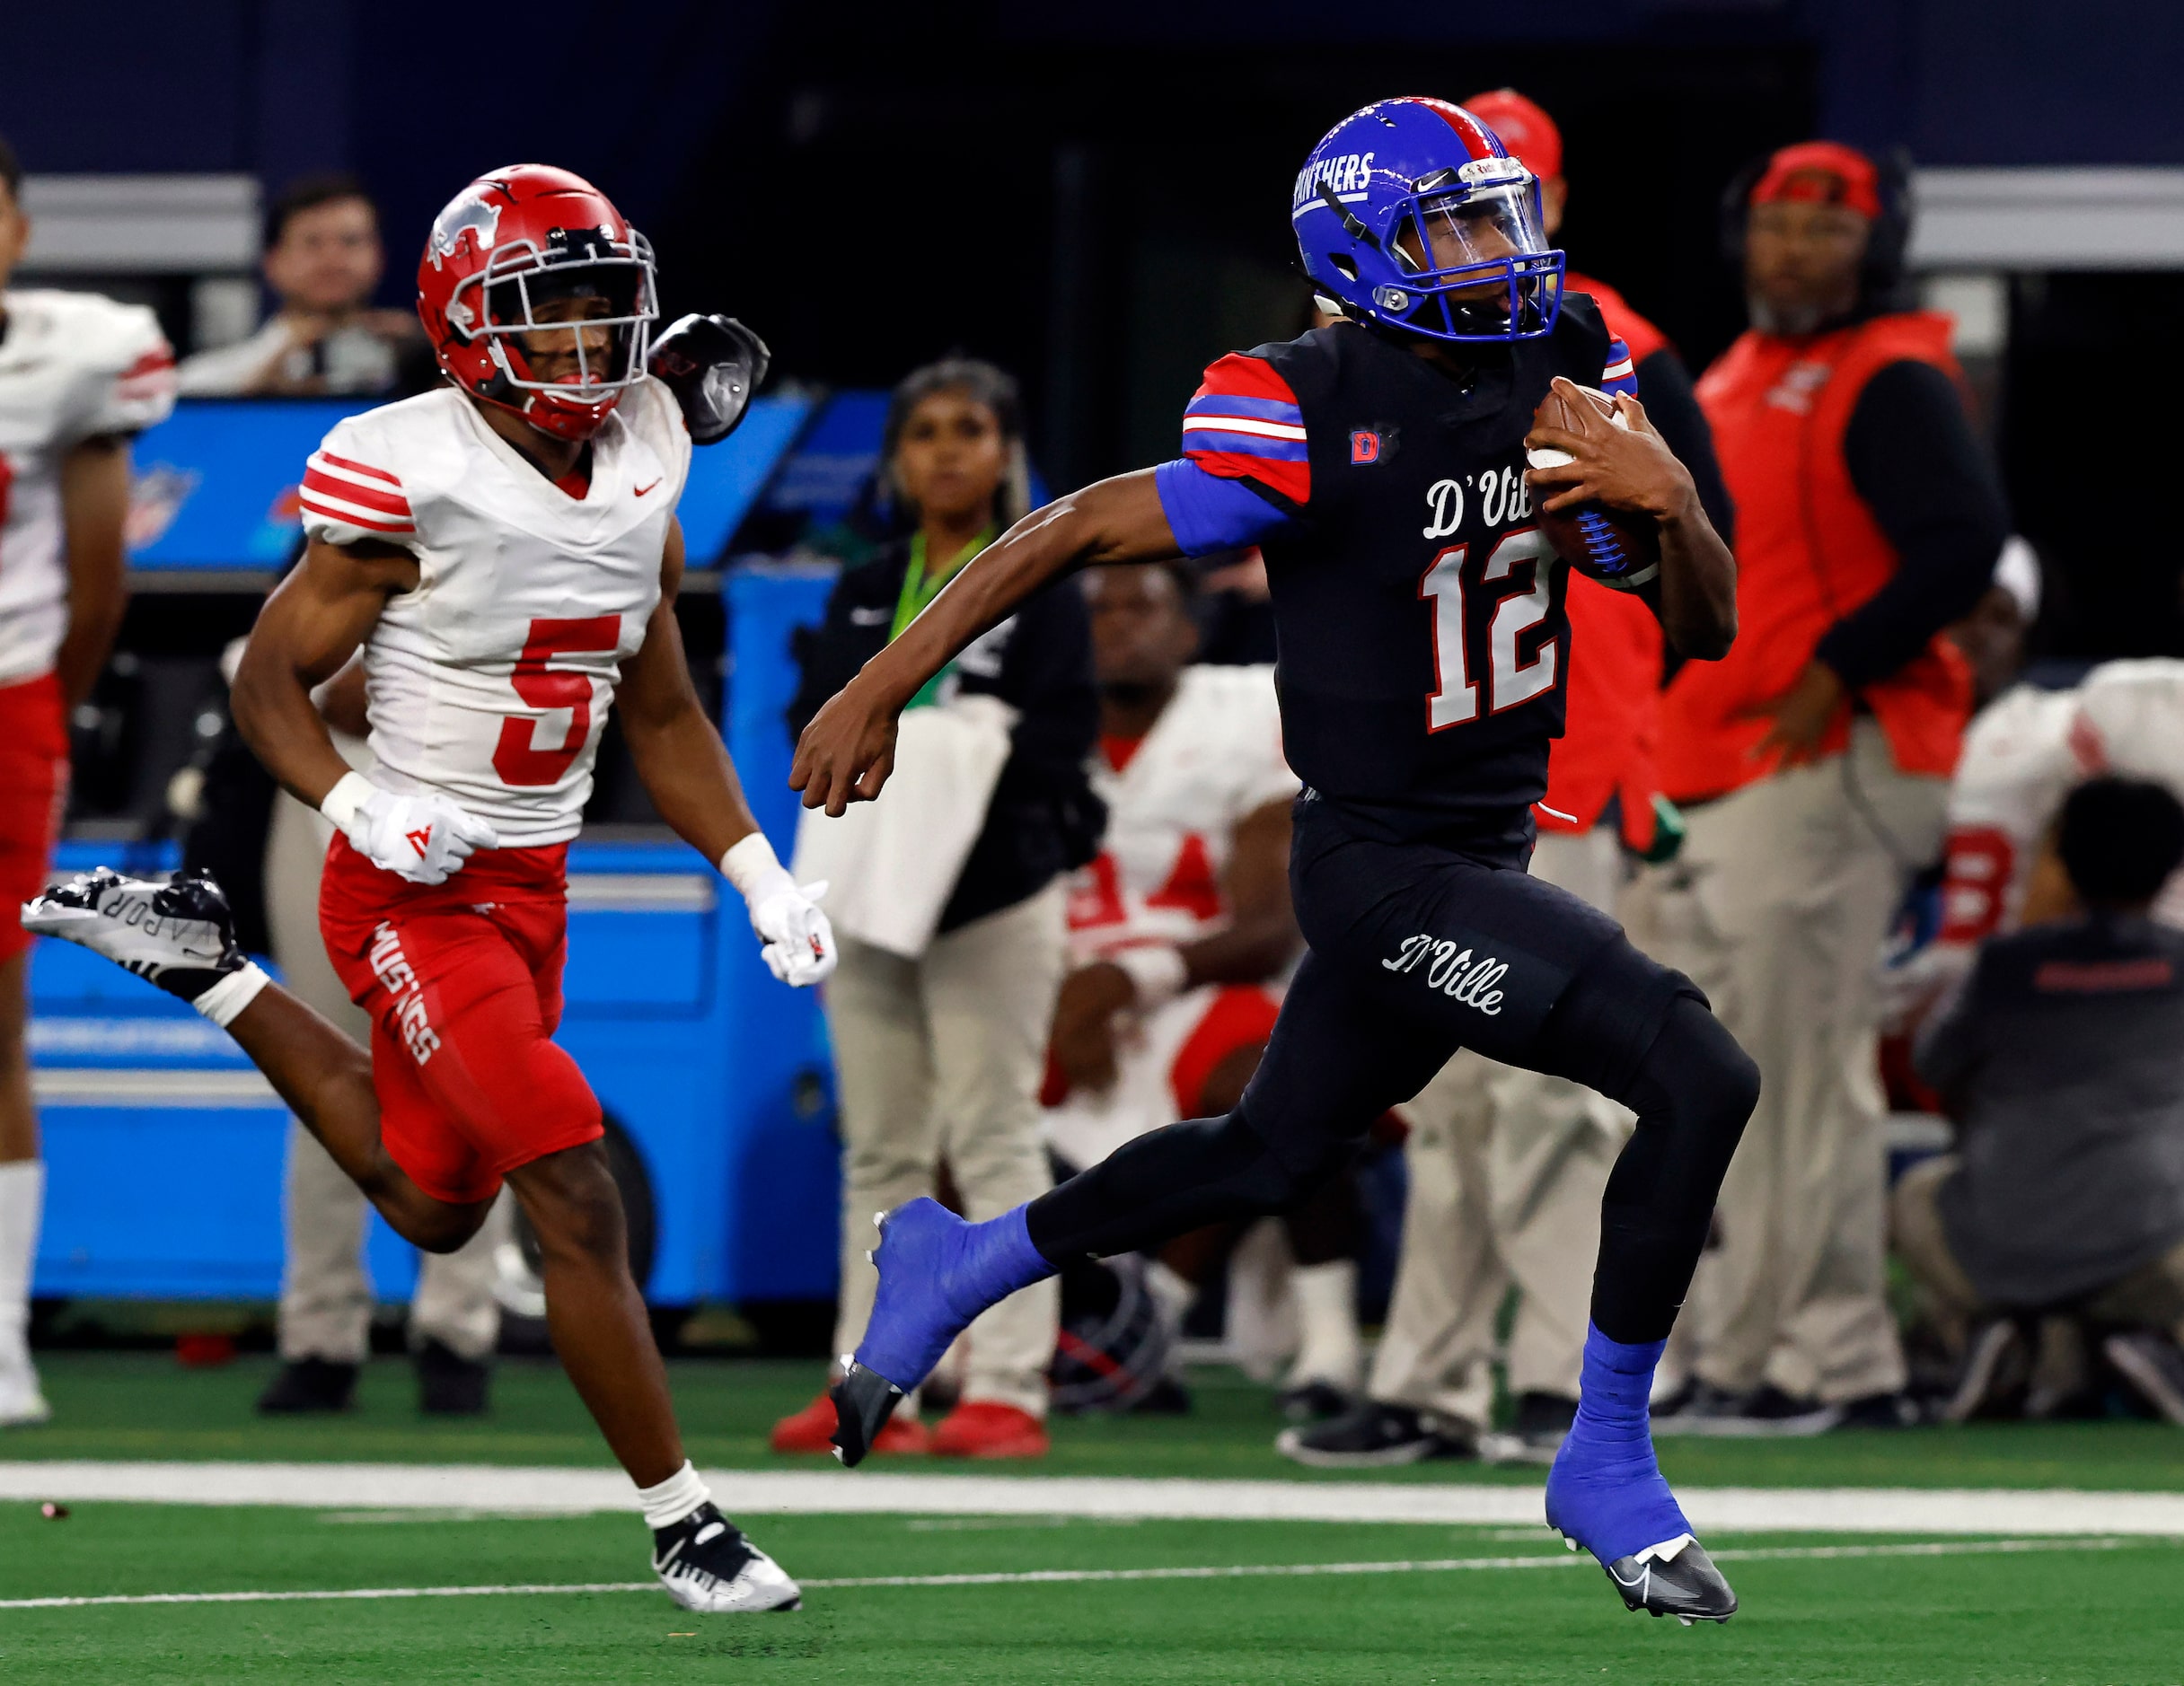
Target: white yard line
x,y
1033,1577
333,1486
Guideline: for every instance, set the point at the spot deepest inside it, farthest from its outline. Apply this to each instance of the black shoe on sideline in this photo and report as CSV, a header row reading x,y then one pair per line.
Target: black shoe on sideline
x,y
304,1385
1313,1401
1370,1436
1764,1413
449,1385
1996,1368
2154,1364
1880,1411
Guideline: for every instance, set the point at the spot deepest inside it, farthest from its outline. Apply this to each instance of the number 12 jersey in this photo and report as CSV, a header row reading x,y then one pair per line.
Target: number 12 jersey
x,y
1418,606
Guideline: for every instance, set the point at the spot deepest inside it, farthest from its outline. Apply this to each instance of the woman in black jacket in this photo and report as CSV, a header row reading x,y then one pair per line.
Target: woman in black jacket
x,y
939,1057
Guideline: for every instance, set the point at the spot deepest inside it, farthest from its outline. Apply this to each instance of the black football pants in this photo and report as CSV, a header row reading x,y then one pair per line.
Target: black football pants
x,y
1417,950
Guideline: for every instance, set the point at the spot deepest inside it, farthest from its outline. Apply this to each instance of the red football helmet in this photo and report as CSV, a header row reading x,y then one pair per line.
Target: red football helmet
x,y
516,240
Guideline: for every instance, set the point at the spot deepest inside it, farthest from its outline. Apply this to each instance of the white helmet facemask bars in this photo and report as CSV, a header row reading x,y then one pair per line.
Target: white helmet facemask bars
x,y
620,271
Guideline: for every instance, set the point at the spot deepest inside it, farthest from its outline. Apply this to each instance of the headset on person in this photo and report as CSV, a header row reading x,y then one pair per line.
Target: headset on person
x,y
1882,278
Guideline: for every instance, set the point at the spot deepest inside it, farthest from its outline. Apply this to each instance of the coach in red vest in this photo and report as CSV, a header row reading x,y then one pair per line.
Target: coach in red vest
x,y
1812,764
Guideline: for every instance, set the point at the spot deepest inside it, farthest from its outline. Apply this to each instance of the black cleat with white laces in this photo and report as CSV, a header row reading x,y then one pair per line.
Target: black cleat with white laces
x,y
706,1565
178,934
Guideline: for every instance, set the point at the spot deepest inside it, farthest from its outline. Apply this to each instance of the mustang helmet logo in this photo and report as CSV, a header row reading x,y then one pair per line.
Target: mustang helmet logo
x,y
474,212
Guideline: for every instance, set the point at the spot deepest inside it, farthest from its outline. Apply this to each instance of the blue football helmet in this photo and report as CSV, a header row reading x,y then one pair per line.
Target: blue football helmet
x,y
1413,214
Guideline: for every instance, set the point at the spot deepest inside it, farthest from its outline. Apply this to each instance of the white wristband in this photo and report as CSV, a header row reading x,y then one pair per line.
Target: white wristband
x,y
231,994
754,868
1156,972
351,791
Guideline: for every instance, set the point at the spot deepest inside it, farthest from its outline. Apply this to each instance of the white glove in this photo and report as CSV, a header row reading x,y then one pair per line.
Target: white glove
x,y
423,838
799,943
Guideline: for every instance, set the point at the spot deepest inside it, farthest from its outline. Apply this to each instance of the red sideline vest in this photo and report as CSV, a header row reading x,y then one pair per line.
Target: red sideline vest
x,y
1608,743
1808,552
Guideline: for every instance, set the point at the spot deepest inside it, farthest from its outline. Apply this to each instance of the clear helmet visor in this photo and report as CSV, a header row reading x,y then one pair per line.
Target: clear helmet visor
x,y
1447,234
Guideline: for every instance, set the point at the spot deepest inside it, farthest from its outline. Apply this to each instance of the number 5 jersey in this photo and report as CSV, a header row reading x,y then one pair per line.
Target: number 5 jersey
x,y
491,682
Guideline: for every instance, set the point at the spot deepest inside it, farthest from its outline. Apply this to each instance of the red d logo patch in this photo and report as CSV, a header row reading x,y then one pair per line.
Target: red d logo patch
x,y
1364,446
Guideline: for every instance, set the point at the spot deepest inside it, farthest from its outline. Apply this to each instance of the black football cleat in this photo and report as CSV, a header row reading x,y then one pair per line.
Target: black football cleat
x,y
864,1400
1677,1579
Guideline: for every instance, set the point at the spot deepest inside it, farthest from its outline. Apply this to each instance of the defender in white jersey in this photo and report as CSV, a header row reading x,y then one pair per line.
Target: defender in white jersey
x,y
78,375
504,556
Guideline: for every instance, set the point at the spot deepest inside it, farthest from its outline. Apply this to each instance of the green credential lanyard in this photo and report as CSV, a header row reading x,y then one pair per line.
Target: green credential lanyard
x,y
919,591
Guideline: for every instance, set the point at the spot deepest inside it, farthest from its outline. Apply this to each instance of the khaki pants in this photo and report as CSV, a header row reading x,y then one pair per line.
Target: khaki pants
x,y
325,1297
2151,1296
940,1059
1506,1170
1777,907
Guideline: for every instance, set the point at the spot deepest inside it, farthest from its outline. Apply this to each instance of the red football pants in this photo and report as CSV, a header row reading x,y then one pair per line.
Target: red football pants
x,y
33,790
463,983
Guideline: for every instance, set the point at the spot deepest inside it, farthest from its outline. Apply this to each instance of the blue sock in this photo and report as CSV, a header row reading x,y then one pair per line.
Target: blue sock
x,y
936,1273
1606,1490
996,1259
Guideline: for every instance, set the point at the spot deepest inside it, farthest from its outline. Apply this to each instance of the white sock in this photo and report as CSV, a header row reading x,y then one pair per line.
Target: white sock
x,y
673,1498
23,1199
1328,1348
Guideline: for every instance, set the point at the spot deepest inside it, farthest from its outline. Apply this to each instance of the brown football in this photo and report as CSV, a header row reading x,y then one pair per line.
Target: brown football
x,y
1613,546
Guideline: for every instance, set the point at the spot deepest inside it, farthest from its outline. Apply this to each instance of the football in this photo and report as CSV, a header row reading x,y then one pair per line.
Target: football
x,y
1614,546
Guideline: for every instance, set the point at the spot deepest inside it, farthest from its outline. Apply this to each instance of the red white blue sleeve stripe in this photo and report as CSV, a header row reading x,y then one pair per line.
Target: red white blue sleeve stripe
x,y
1207,513
1619,375
1244,423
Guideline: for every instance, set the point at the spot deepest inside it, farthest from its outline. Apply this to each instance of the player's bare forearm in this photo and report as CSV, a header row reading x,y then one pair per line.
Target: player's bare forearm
x,y
1261,937
681,761
848,749
94,507
686,771
315,620
1698,585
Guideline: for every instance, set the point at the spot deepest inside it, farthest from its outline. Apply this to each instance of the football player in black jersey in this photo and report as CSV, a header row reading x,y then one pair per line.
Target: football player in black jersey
x,y
1380,465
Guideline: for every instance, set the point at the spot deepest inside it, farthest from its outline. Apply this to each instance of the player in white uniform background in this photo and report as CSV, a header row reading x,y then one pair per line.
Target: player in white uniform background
x,y
79,374
1180,932
2022,756
504,553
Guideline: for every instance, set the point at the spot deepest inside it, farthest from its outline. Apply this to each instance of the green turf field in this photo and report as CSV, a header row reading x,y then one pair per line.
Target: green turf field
x,y
1832,1608
2104,1615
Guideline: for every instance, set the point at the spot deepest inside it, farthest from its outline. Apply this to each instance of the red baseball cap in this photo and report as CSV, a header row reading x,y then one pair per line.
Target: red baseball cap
x,y
1818,173
1528,132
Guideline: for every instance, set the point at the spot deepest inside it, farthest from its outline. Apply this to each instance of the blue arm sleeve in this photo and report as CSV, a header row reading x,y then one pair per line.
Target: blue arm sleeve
x,y
1208,512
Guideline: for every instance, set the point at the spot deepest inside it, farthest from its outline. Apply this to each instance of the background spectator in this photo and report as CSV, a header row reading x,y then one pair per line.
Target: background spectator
x,y
2062,1061
940,1050
322,261
1812,767
81,375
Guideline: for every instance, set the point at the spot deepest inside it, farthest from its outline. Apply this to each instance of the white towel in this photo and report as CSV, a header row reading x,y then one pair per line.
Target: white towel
x,y
892,863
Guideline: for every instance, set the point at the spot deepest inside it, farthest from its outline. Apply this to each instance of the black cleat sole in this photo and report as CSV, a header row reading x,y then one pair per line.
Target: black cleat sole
x,y
864,1400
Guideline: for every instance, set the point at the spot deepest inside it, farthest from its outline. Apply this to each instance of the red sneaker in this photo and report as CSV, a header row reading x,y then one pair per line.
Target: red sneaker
x,y
811,1430
984,1428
